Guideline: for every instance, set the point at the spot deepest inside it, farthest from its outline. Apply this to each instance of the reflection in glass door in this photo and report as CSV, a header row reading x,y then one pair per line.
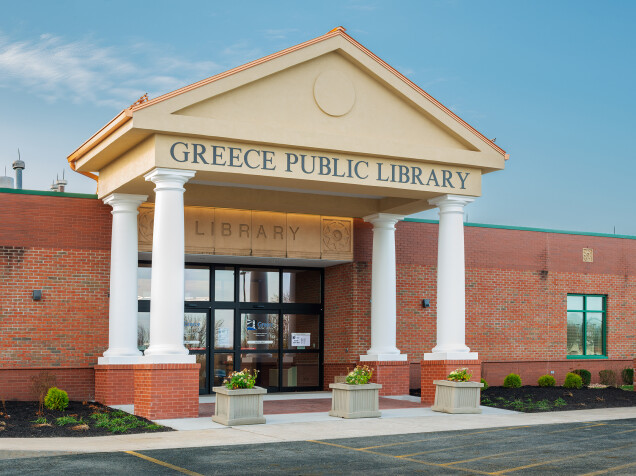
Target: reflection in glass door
x,y
195,339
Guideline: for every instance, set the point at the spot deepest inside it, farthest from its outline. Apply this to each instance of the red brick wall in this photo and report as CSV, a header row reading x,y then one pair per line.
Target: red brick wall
x,y
16,384
516,287
60,245
166,391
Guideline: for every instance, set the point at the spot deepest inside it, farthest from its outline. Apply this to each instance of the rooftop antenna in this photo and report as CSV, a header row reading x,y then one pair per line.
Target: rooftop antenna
x,y
18,166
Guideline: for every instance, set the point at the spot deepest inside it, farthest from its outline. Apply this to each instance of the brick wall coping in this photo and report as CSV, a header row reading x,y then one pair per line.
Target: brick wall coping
x,y
47,193
570,360
527,228
166,366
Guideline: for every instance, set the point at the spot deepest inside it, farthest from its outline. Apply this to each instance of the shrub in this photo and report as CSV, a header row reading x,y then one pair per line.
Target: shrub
x,y
40,383
483,380
359,376
573,381
460,375
628,376
608,377
546,381
512,381
586,375
242,379
56,399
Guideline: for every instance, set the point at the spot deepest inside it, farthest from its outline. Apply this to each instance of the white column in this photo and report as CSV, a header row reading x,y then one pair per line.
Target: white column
x,y
122,305
167,284
383,301
451,281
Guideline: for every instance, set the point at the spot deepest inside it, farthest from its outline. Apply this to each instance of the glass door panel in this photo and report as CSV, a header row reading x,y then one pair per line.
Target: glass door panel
x,y
259,331
197,283
195,339
301,331
223,329
195,330
267,366
259,285
301,369
223,366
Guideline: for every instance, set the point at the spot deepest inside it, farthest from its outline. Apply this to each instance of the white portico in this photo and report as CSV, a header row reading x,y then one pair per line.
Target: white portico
x,y
276,159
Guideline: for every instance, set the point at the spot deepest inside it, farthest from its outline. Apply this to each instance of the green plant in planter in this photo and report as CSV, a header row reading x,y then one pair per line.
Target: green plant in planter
x,y
586,375
360,375
56,399
546,381
628,376
573,381
512,381
460,375
242,379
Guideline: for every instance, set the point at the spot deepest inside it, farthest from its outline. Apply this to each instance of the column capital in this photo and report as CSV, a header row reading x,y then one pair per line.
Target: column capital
x,y
169,179
124,201
451,202
383,220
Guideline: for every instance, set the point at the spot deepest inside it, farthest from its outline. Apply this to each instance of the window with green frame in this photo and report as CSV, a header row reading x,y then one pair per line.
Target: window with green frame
x,y
586,325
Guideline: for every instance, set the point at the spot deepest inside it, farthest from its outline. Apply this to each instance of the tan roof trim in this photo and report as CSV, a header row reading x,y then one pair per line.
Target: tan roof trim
x,y
126,114
99,136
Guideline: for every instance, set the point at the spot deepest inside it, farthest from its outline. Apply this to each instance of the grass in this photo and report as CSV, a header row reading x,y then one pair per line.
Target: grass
x,y
629,388
67,420
121,422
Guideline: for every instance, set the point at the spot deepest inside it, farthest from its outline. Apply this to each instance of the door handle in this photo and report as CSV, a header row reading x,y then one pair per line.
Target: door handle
x,y
259,306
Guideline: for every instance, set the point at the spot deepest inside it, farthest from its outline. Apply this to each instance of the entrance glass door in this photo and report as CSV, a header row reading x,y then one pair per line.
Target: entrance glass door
x,y
268,319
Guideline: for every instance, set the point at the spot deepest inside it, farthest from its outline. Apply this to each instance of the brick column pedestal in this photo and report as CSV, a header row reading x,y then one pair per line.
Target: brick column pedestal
x,y
439,370
114,384
393,376
166,391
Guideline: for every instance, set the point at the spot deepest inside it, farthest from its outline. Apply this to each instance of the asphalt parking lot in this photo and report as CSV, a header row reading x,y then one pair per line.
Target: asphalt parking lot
x,y
601,447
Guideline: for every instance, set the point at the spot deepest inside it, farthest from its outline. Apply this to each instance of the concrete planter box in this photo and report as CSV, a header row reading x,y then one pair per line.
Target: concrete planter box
x,y
243,406
355,401
457,397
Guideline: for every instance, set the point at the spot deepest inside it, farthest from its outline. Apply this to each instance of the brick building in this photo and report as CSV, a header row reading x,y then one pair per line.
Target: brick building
x,y
255,219
517,284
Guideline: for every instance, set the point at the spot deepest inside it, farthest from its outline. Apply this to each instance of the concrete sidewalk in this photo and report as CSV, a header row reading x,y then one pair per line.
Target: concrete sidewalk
x,y
390,423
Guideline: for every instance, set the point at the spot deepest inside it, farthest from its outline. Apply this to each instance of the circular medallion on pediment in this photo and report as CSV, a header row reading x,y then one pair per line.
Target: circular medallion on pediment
x,y
334,93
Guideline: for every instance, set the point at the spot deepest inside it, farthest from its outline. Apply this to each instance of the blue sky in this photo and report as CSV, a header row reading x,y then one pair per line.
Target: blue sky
x,y
552,81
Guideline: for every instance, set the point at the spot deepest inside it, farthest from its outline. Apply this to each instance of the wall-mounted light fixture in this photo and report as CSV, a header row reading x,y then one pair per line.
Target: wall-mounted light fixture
x,y
37,294
426,303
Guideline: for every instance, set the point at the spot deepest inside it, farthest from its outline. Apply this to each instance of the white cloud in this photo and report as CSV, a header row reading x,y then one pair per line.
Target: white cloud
x,y
56,69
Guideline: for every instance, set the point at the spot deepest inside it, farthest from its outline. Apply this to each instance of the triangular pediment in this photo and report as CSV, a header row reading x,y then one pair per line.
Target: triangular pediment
x,y
328,95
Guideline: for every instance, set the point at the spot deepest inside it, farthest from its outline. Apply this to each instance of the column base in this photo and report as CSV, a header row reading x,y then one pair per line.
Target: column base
x,y
168,359
119,359
439,370
392,375
451,356
383,358
166,390
114,384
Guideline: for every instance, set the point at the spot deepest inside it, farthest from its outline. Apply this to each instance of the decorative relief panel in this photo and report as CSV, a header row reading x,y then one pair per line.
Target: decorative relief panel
x,y
230,232
336,237
588,255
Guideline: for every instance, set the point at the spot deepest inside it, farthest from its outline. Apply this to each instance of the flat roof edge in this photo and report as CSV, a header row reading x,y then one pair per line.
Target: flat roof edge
x,y
47,193
526,228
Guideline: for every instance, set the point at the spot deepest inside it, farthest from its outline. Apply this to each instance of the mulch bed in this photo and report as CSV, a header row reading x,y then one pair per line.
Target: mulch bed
x,y
525,399
16,421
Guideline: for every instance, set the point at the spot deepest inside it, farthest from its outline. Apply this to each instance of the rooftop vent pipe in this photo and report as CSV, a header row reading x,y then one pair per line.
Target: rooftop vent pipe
x,y
18,166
